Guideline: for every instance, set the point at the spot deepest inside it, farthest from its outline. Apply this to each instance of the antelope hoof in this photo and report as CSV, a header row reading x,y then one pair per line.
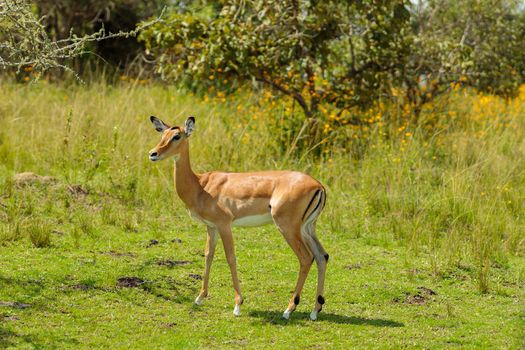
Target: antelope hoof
x,y
199,300
313,315
286,314
237,310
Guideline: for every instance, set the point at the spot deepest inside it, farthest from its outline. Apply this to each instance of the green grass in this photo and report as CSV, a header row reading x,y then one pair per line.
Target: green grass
x,y
440,212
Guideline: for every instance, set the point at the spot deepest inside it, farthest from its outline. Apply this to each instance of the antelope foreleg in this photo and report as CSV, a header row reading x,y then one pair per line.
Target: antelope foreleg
x,y
209,252
229,250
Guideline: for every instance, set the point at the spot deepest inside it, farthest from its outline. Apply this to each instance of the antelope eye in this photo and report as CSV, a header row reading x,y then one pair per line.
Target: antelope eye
x,y
176,137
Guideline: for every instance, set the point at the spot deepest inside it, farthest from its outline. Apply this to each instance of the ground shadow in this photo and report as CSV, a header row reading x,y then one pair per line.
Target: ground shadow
x,y
32,287
276,317
5,337
9,339
29,288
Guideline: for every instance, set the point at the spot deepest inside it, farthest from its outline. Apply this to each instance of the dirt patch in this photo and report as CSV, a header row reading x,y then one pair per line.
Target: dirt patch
x,y
11,318
414,272
195,276
169,325
77,190
29,178
119,254
129,282
353,266
152,242
173,263
427,291
421,297
14,304
82,286
242,342
416,299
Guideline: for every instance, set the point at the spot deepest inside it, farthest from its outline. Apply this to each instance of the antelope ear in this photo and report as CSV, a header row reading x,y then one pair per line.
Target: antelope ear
x,y
189,125
159,125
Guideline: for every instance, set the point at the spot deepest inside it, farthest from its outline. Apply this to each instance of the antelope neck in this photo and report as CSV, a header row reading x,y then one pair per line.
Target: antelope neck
x,y
186,181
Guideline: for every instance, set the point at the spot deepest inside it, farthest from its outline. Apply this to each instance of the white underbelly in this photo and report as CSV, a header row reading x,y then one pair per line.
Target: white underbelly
x,y
253,220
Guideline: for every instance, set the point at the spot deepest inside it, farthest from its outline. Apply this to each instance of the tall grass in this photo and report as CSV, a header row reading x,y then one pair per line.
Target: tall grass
x,y
450,185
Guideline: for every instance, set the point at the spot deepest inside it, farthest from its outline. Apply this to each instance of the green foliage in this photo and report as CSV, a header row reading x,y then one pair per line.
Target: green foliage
x,y
340,53
39,233
343,55
475,43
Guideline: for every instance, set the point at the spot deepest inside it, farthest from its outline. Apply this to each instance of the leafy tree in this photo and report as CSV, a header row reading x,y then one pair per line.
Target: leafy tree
x,y
341,53
344,54
477,43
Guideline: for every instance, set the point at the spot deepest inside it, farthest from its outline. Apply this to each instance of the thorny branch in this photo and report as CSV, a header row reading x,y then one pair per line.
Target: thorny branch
x,y
24,40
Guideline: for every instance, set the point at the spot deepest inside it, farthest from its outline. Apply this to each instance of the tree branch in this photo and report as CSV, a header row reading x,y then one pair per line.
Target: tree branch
x,y
294,94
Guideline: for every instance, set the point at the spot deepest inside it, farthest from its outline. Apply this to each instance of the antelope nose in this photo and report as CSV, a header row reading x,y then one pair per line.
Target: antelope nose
x,y
153,156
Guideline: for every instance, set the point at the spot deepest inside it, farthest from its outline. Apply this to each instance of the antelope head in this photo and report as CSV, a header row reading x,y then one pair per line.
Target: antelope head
x,y
172,140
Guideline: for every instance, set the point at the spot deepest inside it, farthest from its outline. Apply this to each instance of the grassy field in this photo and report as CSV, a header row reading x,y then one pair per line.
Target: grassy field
x,y
424,224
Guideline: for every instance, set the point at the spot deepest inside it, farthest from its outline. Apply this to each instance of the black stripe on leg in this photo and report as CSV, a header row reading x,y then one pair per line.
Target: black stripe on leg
x,y
320,299
326,256
296,300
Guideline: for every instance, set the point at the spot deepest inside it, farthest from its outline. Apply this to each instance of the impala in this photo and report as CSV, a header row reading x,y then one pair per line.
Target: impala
x,y
292,200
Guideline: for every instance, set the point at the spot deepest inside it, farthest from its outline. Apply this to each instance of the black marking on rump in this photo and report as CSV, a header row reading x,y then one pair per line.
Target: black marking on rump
x,y
319,203
296,300
320,299
326,256
309,204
